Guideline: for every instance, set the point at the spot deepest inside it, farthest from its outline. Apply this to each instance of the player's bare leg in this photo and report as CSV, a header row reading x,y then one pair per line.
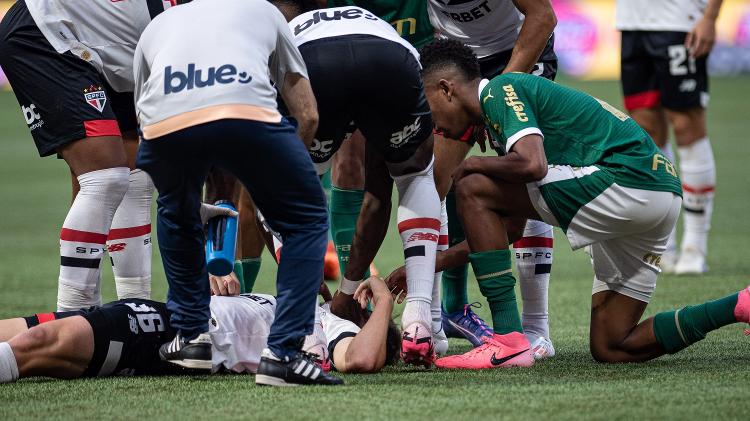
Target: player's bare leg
x,y
11,327
250,240
617,336
100,166
485,208
698,174
654,121
61,348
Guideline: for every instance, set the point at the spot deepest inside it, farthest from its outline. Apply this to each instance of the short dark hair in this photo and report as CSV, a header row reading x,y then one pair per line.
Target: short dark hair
x,y
392,344
443,53
298,6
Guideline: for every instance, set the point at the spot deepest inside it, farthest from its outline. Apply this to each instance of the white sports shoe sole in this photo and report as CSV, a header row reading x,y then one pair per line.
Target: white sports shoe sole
x,y
194,364
263,380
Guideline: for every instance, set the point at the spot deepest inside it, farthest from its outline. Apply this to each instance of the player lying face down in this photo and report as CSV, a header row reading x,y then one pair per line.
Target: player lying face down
x,y
123,337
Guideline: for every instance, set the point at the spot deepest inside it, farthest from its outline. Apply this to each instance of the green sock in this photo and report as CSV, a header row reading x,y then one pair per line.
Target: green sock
x,y
345,206
495,277
676,330
238,271
250,269
454,281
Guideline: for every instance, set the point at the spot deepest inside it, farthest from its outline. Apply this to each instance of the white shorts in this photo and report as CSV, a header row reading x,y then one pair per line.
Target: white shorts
x,y
624,230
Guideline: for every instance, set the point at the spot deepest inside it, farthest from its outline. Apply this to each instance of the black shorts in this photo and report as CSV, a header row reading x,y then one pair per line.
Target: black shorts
x,y
127,336
368,83
657,70
62,97
495,64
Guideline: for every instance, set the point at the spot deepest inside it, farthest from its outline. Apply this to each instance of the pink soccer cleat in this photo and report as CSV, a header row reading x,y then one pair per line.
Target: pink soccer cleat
x,y
416,345
509,350
742,309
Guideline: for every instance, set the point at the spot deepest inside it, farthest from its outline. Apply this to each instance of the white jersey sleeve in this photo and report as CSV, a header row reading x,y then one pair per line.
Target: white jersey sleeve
x,y
486,26
660,15
101,32
239,330
341,21
335,328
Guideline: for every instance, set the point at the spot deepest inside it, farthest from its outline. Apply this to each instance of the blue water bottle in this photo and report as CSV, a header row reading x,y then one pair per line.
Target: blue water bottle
x,y
221,242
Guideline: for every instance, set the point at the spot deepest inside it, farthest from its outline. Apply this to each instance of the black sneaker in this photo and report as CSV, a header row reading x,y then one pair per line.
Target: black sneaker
x,y
299,370
194,353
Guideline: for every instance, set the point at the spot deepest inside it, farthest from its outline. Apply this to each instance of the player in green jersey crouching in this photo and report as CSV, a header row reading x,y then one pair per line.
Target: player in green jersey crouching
x,y
574,162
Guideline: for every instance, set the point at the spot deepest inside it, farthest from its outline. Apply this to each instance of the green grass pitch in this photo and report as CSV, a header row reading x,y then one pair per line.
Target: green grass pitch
x,y
707,381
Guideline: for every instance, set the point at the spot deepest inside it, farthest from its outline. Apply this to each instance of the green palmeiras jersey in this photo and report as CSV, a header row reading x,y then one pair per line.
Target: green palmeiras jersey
x,y
409,18
578,130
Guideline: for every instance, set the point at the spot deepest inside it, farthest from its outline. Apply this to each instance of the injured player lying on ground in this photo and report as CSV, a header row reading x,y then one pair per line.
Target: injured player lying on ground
x,y
123,338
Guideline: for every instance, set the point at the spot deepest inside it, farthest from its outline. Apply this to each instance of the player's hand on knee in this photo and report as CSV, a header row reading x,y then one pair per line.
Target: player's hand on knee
x,y
210,211
396,283
224,285
467,167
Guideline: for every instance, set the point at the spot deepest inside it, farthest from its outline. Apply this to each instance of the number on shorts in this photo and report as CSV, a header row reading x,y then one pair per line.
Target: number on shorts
x,y
149,320
678,57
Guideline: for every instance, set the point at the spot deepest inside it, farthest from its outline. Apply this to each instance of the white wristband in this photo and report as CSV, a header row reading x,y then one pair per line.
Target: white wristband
x,y
349,287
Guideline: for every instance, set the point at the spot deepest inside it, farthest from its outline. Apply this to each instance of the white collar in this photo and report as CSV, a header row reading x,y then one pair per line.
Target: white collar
x,y
482,84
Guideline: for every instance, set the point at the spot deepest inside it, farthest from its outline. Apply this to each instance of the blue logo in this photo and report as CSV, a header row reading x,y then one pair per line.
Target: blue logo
x,y
176,81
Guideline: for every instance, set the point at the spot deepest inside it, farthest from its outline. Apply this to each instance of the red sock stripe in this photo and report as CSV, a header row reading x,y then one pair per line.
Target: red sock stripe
x,y
528,242
419,223
698,190
443,240
45,317
646,99
130,232
68,234
96,128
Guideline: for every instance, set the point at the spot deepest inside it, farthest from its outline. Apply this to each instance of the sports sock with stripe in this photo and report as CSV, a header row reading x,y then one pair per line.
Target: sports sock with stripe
x,y
677,329
698,171
454,280
533,253
8,364
496,282
419,226
84,234
129,239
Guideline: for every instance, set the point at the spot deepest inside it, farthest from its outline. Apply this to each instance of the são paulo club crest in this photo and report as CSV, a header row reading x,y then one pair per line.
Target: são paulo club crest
x,y
95,96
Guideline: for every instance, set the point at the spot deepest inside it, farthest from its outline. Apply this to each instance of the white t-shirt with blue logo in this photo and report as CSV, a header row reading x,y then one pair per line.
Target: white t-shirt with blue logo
x,y
213,52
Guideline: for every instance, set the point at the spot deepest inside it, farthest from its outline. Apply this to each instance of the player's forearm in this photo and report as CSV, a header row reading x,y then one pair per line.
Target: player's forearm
x,y
372,225
511,167
455,256
367,350
539,22
712,9
299,98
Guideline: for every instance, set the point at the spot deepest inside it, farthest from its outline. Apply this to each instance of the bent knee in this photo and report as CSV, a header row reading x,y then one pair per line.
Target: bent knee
x,y
470,187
